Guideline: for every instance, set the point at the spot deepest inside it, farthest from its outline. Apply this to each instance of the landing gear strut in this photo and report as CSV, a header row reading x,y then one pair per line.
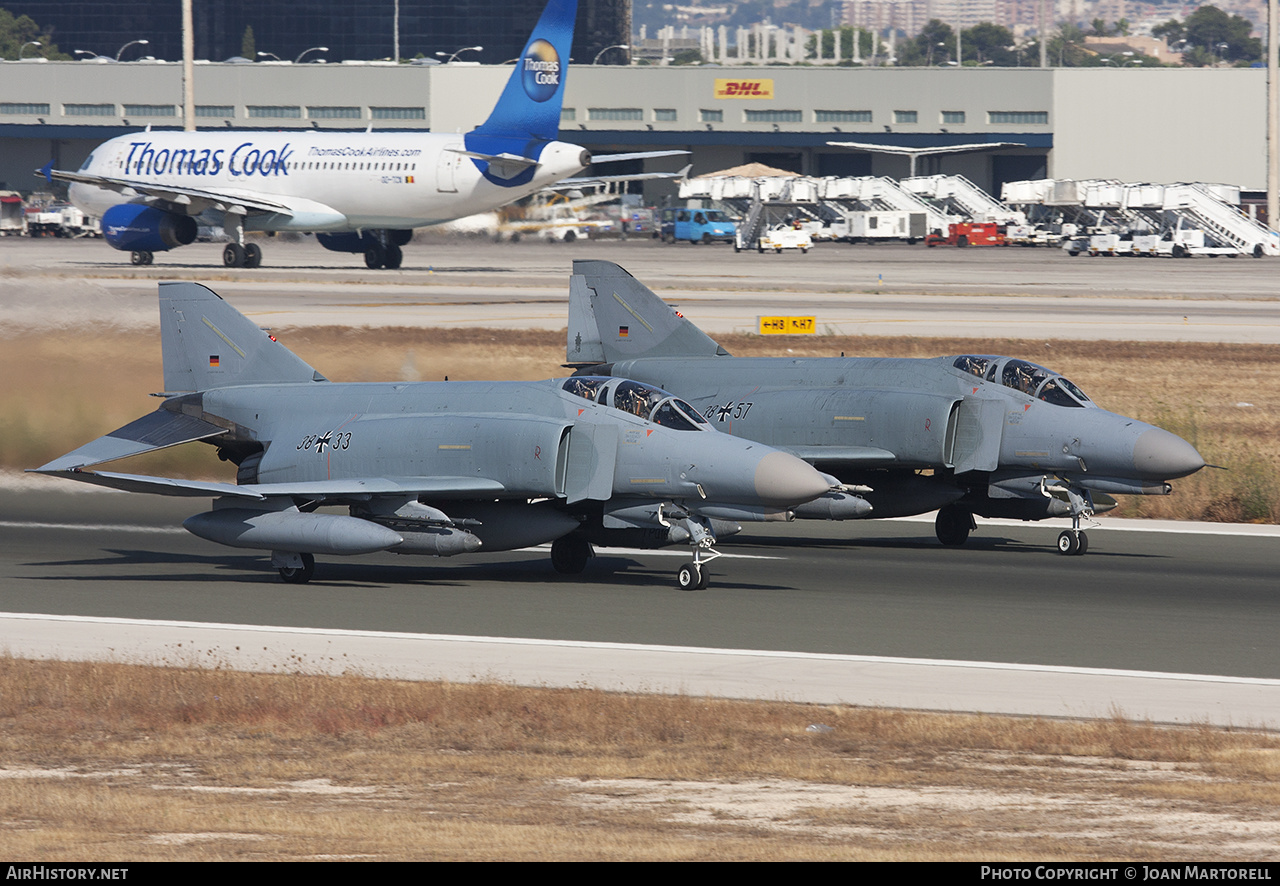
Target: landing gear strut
x,y
237,253
693,576
1073,541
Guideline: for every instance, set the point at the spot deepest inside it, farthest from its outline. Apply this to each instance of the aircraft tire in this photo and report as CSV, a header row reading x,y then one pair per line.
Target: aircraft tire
x,y
1068,543
569,556
690,577
141,257
374,256
1084,545
952,526
299,575
252,255
395,256
233,256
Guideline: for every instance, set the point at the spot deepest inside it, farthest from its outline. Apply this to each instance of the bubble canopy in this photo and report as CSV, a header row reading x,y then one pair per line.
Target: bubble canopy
x,y
639,399
1021,375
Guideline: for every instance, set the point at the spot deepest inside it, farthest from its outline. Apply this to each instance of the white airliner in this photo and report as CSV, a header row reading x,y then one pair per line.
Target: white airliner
x,y
360,192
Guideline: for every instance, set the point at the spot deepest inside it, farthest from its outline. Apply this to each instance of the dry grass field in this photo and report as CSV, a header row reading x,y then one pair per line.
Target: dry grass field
x,y
110,762
62,389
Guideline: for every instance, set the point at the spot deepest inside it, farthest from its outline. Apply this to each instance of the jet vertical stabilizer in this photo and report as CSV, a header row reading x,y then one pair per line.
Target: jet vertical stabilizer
x,y
207,344
613,316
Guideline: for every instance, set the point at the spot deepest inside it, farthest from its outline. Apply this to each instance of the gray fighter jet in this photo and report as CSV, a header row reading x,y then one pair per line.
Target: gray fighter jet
x,y
972,434
435,468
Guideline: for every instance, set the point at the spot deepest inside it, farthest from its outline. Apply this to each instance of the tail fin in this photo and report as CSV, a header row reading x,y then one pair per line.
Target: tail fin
x,y
530,104
206,344
613,316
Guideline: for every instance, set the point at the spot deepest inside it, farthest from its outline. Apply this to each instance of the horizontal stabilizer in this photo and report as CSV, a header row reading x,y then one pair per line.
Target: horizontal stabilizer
x,y
635,155
158,430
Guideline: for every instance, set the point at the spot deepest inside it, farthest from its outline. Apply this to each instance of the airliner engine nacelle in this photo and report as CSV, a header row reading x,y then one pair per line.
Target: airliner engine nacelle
x,y
353,242
133,227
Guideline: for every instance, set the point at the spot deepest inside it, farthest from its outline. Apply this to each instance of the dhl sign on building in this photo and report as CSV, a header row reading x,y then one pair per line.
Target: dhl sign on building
x,y
758,89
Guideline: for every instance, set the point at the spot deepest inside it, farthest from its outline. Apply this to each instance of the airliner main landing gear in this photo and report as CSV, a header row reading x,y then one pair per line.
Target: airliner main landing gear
x,y
382,253
237,253
141,257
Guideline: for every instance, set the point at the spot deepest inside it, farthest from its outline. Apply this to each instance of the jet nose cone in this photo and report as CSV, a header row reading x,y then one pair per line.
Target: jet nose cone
x,y
783,480
1160,455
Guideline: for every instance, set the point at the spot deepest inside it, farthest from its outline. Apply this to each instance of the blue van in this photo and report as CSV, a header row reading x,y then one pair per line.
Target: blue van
x,y
697,226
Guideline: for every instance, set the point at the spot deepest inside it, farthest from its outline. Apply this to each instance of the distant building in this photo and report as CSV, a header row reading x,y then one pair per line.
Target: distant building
x,y
287,28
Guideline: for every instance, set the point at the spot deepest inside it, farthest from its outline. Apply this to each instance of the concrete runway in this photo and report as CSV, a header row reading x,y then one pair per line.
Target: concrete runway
x,y
853,290
868,613
992,619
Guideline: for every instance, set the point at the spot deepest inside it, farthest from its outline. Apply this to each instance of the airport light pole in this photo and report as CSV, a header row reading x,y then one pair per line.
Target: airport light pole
x,y
131,43
312,49
596,60
188,68
459,52
25,45
272,54
1273,117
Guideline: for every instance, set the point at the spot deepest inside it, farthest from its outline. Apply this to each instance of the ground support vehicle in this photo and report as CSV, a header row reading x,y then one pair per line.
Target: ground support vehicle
x,y
970,234
696,226
785,236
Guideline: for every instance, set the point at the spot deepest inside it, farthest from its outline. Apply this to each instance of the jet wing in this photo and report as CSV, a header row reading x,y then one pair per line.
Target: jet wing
x,y
635,155
857,456
223,200
318,489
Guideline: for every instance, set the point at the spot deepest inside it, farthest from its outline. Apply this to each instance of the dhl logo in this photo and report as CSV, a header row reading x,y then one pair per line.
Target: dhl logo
x,y
744,89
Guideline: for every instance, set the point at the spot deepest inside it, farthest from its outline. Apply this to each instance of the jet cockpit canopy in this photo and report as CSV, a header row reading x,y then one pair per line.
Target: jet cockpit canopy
x,y
1021,375
639,399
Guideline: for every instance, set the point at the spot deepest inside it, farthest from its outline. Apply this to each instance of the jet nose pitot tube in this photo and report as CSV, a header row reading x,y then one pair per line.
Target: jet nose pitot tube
x,y
1160,455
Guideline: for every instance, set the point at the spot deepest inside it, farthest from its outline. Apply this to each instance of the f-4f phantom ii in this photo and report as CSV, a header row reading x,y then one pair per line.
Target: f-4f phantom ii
x,y
436,468
965,435
362,192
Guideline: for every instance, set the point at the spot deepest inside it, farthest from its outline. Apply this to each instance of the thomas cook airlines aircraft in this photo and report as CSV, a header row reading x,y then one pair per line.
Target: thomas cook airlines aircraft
x,y
360,192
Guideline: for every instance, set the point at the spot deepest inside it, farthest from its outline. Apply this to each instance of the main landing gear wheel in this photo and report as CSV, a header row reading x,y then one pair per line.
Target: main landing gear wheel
x,y
374,256
252,255
233,256
569,556
299,575
1072,543
953,526
141,257
692,577
395,255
